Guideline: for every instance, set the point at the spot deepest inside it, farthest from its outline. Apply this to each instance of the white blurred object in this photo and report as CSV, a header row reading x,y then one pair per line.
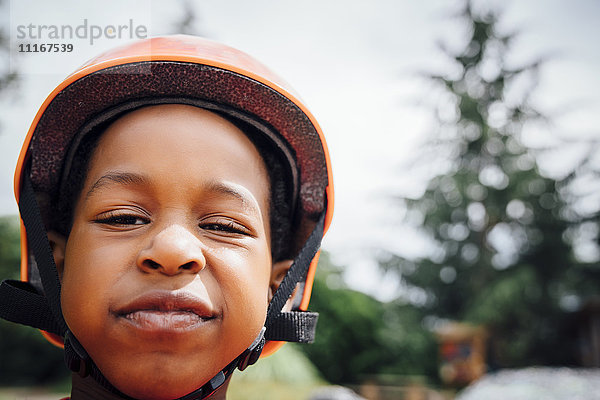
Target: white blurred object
x,y
536,383
335,393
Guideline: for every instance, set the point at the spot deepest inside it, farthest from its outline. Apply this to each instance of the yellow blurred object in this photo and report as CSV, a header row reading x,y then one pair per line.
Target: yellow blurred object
x,y
462,349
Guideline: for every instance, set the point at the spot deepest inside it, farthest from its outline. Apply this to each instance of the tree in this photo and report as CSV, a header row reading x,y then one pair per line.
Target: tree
x,y
358,336
26,357
504,232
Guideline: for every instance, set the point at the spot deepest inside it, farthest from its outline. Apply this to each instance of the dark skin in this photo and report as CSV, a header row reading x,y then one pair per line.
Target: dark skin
x,y
88,389
167,272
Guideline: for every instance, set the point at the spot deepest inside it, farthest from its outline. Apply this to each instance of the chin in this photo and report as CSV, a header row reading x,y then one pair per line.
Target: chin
x,y
165,390
165,382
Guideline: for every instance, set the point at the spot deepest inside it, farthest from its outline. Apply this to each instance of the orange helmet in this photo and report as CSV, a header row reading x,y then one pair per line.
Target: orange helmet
x,y
174,69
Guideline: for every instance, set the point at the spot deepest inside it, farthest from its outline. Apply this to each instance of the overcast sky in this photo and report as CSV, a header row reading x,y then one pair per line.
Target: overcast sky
x,y
354,64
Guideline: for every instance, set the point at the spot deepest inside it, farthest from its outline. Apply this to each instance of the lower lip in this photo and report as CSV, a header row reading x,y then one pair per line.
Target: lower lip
x,y
165,321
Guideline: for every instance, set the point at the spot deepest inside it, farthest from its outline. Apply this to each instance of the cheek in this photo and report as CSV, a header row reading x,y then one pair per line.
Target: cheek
x,y
247,282
91,271
244,283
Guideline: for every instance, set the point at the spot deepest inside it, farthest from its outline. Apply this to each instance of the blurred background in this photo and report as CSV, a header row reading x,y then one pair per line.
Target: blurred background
x,y
463,259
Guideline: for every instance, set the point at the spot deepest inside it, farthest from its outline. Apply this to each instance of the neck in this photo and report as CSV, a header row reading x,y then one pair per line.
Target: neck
x,y
88,389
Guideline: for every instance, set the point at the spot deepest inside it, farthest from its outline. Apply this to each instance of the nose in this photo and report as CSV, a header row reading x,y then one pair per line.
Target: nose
x,y
172,251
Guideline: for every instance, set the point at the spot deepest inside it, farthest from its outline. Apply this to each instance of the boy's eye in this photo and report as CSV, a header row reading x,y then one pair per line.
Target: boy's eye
x,y
225,226
121,219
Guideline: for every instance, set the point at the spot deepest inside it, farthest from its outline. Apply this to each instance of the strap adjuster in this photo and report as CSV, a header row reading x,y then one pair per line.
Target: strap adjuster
x,y
76,358
252,353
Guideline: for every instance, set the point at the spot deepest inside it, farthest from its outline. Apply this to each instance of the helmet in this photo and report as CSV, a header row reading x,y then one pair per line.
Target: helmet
x,y
173,69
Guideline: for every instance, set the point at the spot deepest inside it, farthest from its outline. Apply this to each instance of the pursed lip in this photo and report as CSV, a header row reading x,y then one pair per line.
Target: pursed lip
x,y
166,311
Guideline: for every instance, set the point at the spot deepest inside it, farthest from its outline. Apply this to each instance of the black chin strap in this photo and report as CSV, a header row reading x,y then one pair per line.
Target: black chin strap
x,y
37,240
295,326
21,302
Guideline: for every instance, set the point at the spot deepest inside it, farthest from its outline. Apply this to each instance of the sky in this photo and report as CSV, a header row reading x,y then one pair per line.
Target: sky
x,y
355,64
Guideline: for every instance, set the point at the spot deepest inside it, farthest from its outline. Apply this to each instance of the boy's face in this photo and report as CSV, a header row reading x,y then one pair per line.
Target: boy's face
x,y
167,267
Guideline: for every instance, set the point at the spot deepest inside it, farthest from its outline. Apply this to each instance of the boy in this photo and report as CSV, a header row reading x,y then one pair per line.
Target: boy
x,y
165,189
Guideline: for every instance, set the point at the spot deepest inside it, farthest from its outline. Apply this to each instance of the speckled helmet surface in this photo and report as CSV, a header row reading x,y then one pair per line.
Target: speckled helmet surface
x,y
187,70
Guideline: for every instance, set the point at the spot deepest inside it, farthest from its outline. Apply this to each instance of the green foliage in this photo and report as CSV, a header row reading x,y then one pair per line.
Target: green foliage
x,y
359,336
504,231
26,358
10,249
287,374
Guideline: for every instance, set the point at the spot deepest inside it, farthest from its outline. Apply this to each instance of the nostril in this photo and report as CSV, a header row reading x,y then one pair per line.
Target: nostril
x,y
188,265
152,264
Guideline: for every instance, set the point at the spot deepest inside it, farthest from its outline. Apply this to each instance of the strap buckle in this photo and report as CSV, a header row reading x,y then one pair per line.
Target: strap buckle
x,y
76,358
252,353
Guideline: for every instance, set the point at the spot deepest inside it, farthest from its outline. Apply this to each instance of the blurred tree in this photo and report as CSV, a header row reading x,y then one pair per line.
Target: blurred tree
x,y
190,21
26,358
8,77
358,336
504,232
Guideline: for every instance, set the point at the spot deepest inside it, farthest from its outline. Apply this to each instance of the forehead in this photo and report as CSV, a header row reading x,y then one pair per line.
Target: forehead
x,y
186,144
178,123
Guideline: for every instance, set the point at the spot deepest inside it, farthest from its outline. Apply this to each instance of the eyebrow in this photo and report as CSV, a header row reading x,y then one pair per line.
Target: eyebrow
x,y
121,178
231,190
129,178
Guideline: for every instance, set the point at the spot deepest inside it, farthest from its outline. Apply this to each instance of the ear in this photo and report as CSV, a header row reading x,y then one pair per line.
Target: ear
x,y
58,244
278,272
